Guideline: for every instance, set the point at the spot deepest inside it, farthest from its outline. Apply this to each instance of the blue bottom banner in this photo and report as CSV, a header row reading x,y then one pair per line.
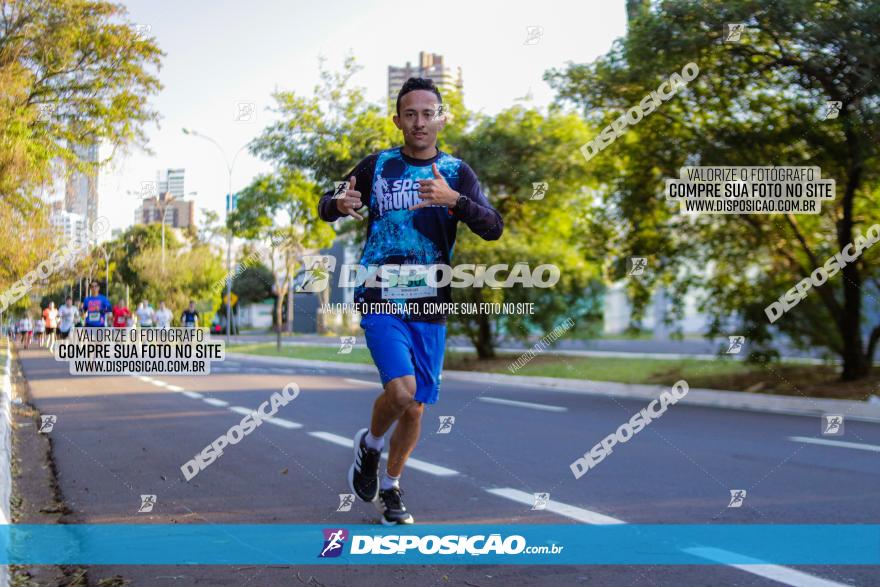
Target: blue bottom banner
x,y
453,544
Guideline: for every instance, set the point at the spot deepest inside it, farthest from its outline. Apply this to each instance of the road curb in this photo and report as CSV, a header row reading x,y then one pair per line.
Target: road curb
x,y
712,398
6,451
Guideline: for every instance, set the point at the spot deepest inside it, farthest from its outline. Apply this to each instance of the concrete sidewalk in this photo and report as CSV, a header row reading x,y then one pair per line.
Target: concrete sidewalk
x,y
735,400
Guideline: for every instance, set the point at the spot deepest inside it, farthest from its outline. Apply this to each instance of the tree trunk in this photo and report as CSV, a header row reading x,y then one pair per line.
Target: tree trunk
x,y
278,324
320,317
854,365
873,339
485,343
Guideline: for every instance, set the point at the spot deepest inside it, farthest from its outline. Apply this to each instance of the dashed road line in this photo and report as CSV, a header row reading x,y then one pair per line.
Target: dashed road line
x,y
835,443
519,404
779,573
411,463
362,382
569,511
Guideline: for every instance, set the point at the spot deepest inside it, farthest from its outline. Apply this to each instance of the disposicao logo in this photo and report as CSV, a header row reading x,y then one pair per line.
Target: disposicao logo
x,y
334,541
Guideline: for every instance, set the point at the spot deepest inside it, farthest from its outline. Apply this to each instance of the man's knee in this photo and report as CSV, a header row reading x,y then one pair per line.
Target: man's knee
x,y
401,393
414,411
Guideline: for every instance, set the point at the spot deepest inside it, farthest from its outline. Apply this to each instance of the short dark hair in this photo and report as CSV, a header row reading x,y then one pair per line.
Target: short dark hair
x,y
417,83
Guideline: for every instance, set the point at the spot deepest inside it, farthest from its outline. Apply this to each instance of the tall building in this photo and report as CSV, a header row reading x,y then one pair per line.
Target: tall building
x,y
173,183
431,66
71,227
81,190
179,213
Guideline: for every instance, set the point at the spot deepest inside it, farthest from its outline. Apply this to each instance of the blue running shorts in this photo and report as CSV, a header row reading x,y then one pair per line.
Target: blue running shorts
x,y
407,348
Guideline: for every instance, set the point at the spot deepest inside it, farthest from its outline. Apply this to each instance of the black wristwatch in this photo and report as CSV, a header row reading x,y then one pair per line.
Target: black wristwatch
x,y
460,203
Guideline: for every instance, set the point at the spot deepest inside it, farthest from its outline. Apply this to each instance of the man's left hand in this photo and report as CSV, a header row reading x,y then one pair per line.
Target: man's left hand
x,y
436,192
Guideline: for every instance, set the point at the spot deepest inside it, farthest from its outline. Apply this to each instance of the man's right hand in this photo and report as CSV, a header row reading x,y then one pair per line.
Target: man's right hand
x,y
351,202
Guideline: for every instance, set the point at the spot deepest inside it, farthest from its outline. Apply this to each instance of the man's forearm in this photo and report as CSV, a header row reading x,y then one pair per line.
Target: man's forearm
x,y
327,209
484,221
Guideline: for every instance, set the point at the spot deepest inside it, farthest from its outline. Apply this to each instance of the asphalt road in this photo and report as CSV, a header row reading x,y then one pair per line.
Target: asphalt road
x,y
119,437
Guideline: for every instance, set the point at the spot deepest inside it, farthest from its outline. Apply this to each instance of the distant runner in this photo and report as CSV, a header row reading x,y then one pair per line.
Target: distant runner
x,y
190,317
121,315
68,316
96,307
163,316
50,317
39,329
145,315
26,330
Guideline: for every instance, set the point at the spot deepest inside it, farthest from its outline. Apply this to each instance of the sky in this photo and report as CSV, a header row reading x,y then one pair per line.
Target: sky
x,y
223,52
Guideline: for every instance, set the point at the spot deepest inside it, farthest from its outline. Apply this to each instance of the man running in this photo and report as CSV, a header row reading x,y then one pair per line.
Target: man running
x,y
26,329
416,196
96,307
190,317
163,317
69,315
121,315
39,329
145,315
50,317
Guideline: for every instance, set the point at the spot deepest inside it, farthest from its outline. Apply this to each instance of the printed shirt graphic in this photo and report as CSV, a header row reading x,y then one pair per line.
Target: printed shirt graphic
x,y
389,184
96,307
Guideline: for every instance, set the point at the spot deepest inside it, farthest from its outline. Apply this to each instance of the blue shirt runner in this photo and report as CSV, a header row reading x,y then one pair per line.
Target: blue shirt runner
x,y
389,185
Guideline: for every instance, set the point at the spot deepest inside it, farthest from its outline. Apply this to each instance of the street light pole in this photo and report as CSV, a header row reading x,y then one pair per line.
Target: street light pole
x,y
107,266
229,276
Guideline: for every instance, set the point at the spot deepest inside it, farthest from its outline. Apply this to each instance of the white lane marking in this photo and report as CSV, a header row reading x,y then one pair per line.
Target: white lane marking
x,y
411,463
533,406
362,382
758,567
158,383
563,509
277,421
283,423
192,394
145,378
838,443
778,573
215,402
176,388
334,438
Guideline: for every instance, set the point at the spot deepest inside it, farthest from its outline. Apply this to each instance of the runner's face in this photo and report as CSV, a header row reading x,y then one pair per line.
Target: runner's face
x,y
418,119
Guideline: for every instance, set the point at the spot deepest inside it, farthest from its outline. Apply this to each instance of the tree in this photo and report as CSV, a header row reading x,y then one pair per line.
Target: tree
x,y
510,152
72,73
281,208
757,102
320,138
189,274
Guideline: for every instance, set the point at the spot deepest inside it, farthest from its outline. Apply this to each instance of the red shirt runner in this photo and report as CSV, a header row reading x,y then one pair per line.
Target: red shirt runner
x,y
120,316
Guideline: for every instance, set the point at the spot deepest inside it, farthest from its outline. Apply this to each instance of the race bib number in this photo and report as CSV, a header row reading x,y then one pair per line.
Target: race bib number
x,y
407,283
94,316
